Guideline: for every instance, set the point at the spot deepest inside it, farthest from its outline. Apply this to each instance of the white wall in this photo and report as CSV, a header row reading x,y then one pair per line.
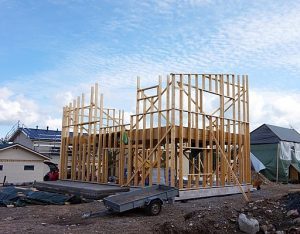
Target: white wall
x,y
22,139
14,160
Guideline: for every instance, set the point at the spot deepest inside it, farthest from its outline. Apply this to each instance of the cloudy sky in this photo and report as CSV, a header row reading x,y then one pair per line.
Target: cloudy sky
x,y
52,50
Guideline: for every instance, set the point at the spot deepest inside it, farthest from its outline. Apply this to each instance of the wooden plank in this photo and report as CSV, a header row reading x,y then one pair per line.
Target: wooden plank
x,y
83,162
244,152
90,140
144,142
228,173
130,153
217,153
234,126
115,165
196,109
149,155
228,165
76,143
168,182
100,146
62,145
204,133
94,154
191,164
153,103
173,151
73,141
240,159
66,159
159,130
180,161
151,143
210,170
81,138
122,151
137,133
104,156
248,131
108,152
222,130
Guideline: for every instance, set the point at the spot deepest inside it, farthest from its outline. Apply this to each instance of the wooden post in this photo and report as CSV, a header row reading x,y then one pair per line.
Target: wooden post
x,y
151,142
130,148
100,146
173,142
168,182
63,145
159,131
88,158
95,104
181,133
137,132
196,109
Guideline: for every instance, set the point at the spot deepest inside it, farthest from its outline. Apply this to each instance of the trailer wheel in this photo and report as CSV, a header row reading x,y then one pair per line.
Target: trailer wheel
x,y
154,208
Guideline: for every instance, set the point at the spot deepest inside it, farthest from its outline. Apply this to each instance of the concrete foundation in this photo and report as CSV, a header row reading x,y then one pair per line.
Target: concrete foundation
x,y
211,192
87,190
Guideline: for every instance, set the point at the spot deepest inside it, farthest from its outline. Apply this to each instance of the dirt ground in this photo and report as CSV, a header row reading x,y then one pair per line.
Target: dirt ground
x,y
210,215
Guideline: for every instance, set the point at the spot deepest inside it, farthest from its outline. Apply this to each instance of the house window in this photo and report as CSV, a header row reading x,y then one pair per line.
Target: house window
x,y
1,167
28,168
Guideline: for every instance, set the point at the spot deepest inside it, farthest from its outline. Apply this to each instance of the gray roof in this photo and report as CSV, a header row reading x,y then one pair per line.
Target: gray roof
x,y
285,134
269,134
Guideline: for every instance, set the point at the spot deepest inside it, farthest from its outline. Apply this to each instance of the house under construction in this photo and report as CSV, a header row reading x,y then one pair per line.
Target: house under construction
x,y
189,130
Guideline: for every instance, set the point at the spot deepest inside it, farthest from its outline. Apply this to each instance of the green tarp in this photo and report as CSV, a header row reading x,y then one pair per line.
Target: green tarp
x,y
284,154
267,155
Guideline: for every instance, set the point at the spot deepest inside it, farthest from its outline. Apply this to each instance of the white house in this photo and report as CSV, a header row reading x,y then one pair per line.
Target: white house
x,y
44,141
20,164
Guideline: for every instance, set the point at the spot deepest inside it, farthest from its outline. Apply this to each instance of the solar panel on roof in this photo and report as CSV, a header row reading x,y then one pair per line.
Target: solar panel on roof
x,y
42,134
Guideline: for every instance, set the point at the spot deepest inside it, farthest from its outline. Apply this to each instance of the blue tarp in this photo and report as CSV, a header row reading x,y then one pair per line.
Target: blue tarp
x,y
256,164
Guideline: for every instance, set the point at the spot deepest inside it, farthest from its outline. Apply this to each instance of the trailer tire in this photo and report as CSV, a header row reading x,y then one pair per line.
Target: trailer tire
x,y
154,208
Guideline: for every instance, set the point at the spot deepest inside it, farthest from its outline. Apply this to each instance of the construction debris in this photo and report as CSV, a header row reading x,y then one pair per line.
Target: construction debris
x,y
14,196
250,226
269,206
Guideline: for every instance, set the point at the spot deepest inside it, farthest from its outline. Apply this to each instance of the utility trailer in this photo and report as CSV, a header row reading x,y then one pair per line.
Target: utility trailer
x,y
150,198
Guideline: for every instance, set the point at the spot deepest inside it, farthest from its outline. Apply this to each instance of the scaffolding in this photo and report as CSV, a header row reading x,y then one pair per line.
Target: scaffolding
x,y
189,130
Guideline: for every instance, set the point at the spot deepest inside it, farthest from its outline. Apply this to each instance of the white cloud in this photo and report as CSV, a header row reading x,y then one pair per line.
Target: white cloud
x,y
65,97
277,107
259,37
18,107
53,123
14,107
269,38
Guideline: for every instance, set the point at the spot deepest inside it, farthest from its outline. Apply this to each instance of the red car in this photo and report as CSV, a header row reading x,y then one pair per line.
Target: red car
x,y
53,174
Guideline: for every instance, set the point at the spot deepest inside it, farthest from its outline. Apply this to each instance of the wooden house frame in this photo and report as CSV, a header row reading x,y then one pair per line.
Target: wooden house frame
x,y
191,129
